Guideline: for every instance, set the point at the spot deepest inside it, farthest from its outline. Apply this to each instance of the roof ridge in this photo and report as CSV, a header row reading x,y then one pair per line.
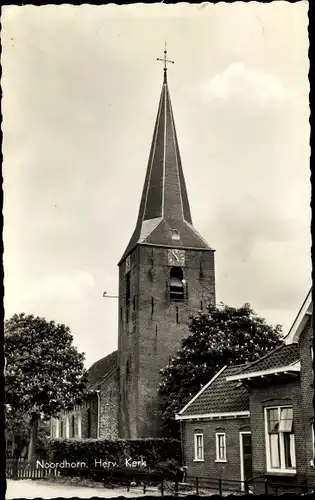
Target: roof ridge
x,y
266,355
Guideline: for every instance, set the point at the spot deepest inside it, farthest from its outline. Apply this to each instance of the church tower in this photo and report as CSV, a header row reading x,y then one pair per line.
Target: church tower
x,y
165,273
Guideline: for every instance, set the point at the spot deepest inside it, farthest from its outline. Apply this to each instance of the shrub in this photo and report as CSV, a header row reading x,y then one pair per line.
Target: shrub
x,y
159,454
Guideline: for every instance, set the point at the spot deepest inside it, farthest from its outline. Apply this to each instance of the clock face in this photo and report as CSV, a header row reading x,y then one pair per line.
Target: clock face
x,y
176,257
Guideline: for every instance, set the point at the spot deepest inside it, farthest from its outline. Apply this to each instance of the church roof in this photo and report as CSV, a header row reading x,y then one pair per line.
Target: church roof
x,y
101,368
164,203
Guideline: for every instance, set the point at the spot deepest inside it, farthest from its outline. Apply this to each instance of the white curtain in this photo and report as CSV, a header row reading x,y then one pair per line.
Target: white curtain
x,y
274,450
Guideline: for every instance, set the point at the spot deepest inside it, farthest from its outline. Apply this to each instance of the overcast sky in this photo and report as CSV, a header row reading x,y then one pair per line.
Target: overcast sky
x,y
81,87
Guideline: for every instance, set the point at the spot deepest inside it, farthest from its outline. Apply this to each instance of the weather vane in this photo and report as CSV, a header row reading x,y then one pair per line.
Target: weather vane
x,y
165,60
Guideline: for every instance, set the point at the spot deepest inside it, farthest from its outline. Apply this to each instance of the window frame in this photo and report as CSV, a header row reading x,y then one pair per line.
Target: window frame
x,y
196,458
217,447
281,469
175,235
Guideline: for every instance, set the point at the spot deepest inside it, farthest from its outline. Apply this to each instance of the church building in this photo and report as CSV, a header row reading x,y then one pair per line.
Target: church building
x,y
166,272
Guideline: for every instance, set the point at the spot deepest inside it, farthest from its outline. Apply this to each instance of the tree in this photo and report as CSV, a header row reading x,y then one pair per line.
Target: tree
x,y
17,433
220,336
44,372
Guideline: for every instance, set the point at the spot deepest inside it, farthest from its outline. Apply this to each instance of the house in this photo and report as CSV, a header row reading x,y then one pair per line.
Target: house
x,y
277,442
166,273
214,425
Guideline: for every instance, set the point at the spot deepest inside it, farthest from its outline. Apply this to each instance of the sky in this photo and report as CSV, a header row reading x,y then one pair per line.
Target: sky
x,y
81,86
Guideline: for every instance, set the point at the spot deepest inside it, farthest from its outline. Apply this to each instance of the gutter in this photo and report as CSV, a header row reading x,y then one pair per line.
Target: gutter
x,y
98,412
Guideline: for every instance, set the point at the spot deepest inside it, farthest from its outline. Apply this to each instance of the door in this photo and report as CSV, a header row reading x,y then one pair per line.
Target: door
x,y
246,456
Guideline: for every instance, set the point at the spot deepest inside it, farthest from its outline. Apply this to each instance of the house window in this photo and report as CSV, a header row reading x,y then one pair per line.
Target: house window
x,y
280,446
176,284
220,447
175,234
199,455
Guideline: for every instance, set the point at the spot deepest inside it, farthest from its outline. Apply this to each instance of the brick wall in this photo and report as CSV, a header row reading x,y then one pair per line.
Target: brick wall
x,y
299,394
307,392
155,329
109,407
275,394
89,423
210,468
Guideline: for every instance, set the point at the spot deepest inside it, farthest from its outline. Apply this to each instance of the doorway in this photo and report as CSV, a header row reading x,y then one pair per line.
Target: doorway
x,y
246,456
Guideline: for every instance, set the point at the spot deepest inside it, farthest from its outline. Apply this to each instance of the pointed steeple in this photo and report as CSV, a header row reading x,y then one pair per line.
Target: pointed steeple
x,y
164,207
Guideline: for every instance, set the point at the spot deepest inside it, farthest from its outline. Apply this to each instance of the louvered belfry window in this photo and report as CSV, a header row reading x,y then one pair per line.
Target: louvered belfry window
x,y
177,291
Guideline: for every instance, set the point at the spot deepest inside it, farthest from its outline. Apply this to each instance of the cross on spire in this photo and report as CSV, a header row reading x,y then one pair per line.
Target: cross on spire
x,y
165,60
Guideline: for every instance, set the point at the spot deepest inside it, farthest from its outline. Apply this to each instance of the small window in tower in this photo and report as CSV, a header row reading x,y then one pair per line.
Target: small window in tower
x,y
175,234
152,305
134,302
121,314
177,284
177,315
201,305
127,289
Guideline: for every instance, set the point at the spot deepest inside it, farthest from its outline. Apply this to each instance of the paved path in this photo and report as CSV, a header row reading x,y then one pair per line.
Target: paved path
x,y
28,488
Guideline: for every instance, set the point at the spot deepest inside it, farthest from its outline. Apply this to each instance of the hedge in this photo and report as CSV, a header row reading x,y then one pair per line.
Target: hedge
x,y
157,453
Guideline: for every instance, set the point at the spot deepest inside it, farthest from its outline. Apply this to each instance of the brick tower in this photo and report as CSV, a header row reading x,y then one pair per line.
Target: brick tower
x,y
165,273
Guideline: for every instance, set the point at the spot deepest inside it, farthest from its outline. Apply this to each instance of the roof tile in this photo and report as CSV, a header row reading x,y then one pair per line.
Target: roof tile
x,y
221,396
284,355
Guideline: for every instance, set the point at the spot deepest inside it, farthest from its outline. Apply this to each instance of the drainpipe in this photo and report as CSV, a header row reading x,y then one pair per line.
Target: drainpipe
x,y
98,412
184,467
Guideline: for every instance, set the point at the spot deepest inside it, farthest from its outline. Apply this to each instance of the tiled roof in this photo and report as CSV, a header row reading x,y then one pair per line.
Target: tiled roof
x,y
101,369
97,383
164,202
284,355
221,396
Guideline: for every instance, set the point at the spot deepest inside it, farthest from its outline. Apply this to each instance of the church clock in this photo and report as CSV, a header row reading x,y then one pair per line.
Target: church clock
x,y
176,257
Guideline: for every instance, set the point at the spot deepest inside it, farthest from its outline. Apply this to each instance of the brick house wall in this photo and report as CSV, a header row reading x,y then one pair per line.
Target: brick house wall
x,y
307,392
209,468
262,396
299,394
155,329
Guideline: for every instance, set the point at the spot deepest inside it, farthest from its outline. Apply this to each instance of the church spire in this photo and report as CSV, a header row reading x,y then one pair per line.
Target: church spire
x,y
164,208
